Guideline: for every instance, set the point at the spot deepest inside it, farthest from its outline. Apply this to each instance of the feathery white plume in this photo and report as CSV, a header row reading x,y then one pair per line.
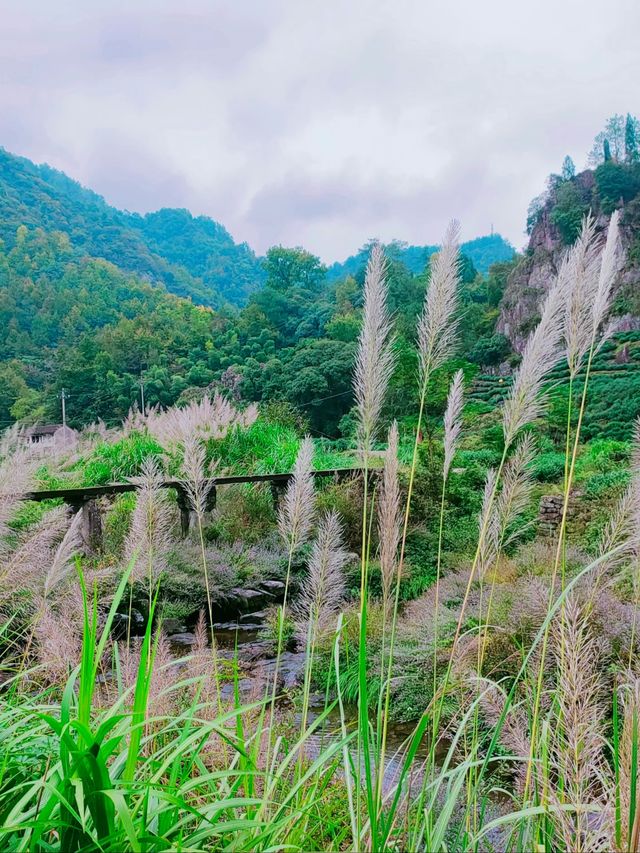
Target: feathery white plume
x,y
297,509
541,353
437,325
374,357
608,271
324,587
194,474
453,420
149,538
389,515
579,272
66,551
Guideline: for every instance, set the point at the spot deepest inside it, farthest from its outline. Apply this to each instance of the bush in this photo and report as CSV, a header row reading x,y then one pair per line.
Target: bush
x,y
117,522
265,447
491,350
549,467
568,211
600,485
616,182
113,463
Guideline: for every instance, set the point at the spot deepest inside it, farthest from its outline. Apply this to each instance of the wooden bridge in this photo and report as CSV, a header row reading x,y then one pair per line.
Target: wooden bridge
x,y
85,498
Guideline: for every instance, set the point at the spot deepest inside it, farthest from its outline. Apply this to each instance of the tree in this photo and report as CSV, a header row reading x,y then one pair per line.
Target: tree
x,y
535,210
631,139
611,139
293,268
568,169
616,182
491,350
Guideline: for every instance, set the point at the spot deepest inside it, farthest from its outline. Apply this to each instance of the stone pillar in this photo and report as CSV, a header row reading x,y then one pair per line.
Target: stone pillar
x,y
550,513
277,490
187,514
90,525
184,505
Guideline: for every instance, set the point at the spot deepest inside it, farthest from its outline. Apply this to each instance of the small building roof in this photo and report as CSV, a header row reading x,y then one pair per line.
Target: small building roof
x,y
42,430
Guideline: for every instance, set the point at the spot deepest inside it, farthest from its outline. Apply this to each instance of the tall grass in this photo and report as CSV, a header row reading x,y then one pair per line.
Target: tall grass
x,y
135,750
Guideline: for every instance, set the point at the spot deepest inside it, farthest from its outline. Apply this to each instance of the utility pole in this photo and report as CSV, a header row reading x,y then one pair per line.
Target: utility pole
x,y
63,397
142,393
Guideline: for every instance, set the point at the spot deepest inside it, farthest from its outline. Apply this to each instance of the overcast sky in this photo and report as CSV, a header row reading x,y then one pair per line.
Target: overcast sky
x,y
317,122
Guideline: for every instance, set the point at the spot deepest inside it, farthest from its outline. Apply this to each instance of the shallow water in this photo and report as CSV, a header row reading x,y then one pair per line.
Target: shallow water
x,y
243,641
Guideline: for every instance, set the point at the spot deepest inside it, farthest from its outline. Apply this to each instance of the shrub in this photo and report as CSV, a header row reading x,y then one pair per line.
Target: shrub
x,y
112,463
568,211
616,182
491,350
600,485
549,467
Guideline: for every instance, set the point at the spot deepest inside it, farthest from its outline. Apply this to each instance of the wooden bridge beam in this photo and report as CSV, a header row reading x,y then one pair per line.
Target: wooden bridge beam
x,y
85,500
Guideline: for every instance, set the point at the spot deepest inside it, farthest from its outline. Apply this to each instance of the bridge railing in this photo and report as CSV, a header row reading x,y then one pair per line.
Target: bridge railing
x,y
85,498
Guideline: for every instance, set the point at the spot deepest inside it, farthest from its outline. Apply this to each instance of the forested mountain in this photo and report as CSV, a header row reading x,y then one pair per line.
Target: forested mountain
x,y
82,324
482,252
192,256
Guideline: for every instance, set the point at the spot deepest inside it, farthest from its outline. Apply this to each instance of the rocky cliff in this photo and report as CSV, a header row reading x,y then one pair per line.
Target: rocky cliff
x,y
530,279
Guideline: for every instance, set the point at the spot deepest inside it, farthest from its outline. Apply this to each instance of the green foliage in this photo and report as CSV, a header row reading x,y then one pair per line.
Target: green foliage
x,y
117,522
287,269
609,144
117,462
568,211
606,484
617,182
568,169
491,350
549,467
265,447
631,139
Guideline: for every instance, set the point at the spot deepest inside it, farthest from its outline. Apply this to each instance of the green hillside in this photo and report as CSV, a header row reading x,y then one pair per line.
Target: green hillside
x,y
191,256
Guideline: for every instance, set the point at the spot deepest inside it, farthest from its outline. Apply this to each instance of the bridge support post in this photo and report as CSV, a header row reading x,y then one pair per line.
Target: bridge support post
x,y
90,525
187,514
277,491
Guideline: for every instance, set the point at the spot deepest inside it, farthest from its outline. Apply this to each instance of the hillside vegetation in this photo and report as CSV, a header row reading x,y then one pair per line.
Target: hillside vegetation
x,y
191,256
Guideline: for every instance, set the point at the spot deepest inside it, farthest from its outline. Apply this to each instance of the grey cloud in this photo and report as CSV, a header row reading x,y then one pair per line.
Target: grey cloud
x,y
317,124
130,179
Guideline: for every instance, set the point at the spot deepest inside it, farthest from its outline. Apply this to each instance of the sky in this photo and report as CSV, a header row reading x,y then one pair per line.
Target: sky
x,y
320,123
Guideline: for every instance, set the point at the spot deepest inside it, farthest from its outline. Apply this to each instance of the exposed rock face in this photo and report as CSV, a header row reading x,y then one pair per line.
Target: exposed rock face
x,y
530,280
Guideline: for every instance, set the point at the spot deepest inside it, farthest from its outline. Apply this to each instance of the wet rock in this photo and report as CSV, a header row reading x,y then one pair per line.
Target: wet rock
x,y
257,617
272,586
247,598
226,626
122,627
290,669
255,651
183,639
173,626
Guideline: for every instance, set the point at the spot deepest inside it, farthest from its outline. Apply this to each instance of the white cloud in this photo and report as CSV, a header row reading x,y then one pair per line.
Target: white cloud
x,y
320,124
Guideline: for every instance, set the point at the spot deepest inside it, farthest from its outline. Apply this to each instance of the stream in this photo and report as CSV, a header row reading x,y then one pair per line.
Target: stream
x,y
241,639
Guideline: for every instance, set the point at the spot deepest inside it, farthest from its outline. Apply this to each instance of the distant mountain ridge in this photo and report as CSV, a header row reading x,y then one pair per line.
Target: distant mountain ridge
x,y
192,256
483,252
